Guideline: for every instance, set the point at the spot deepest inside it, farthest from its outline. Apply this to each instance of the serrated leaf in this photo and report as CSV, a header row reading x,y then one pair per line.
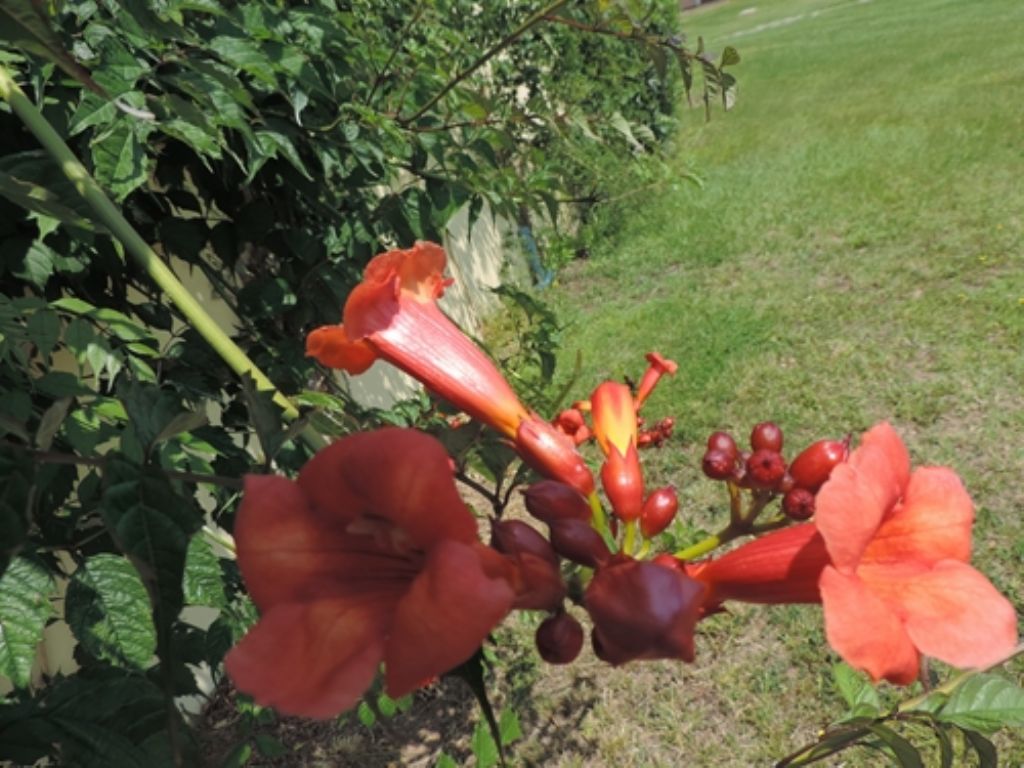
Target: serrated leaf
x,y
119,159
906,754
151,410
25,591
109,611
58,384
984,702
25,24
204,582
152,525
484,748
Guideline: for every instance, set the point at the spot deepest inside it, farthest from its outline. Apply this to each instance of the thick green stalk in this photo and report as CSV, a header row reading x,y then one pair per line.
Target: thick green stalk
x,y
139,249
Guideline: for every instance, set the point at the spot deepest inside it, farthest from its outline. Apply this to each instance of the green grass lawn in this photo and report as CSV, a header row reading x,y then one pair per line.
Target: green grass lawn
x,y
856,253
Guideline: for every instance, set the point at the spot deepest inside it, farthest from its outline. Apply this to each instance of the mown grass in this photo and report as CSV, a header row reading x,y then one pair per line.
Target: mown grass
x,y
856,253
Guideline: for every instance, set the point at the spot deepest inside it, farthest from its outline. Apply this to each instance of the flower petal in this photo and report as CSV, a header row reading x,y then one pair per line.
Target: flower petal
x,y
883,464
289,552
933,523
420,269
444,617
399,475
847,513
331,346
312,660
862,629
955,614
642,610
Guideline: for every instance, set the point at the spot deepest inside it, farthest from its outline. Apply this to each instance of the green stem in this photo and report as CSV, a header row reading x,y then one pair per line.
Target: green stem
x,y
714,541
139,249
629,540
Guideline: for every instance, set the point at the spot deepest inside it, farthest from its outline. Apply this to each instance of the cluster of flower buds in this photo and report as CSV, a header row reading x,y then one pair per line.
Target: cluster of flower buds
x,y
656,435
572,421
764,468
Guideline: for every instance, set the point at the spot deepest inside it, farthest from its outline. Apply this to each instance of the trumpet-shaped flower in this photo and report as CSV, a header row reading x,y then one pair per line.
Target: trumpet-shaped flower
x,y
887,556
393,314
369,556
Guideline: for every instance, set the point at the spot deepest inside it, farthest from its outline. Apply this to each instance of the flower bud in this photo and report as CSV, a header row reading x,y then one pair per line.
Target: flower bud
x,y
815,463
718,465
537,577
723,441
575,540
510,537
765,469
550,500
623,483
766,436
659,510
559,639
798,504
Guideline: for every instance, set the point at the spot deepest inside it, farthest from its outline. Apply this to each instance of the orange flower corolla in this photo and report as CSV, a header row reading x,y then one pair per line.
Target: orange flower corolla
x,y
393,314
369,556
898,585
887,556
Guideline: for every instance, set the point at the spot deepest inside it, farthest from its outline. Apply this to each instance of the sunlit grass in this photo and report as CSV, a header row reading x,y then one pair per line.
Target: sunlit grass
x,y
856,254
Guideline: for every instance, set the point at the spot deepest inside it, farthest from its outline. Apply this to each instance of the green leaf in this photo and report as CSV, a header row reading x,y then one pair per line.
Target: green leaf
x,y
730,56
43,329
17,470
906,754
152,411
152,525
204,582
58,384
386,705
38,199
984,702
485,750
25,24
858,693
988,757
366,714
109,611
508,727
119,158
50,423
25,592
445,760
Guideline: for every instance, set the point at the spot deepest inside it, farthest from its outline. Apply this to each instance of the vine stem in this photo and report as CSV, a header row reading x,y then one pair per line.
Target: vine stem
x,y
140,251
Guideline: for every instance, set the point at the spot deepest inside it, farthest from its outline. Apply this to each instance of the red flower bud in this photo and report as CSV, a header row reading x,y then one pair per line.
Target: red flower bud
x,y
765,469
766,436
575,540
812,467
659,510
623,483
537,580
559,639
798,504
550,500
718,465
510,537
722,441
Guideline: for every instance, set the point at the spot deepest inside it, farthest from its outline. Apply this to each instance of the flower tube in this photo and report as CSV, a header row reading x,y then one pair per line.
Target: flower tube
x,y
393,315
